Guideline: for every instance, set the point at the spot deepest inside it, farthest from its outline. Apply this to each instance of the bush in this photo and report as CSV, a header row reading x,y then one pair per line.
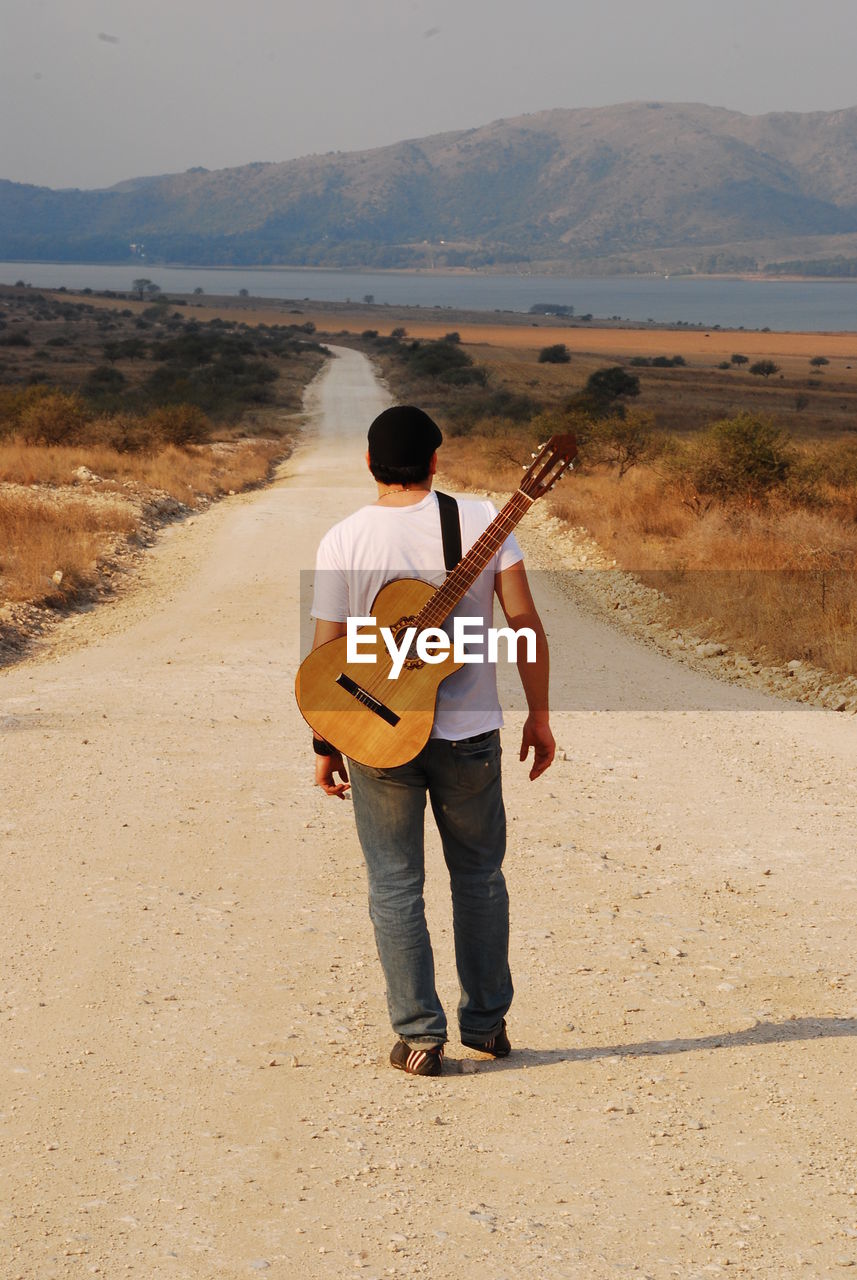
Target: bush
x,y
818,362
764,368
51,417
445,361
621,441
743,457
15,338
179,424
739,359
557,354
613,383
104,380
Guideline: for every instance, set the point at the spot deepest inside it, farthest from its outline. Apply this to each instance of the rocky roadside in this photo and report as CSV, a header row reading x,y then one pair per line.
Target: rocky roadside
x,y
22,622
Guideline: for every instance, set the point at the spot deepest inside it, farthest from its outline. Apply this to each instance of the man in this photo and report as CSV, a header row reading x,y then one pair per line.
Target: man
x,y
459,767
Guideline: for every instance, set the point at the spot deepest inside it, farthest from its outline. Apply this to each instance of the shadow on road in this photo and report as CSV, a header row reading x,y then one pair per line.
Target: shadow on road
x,y
761,1033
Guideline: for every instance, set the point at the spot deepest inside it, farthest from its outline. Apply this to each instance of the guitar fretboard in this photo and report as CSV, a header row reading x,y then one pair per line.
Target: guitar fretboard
x,y
465,573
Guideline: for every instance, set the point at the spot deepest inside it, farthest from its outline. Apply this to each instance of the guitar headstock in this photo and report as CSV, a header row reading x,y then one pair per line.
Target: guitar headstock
x,y
550,463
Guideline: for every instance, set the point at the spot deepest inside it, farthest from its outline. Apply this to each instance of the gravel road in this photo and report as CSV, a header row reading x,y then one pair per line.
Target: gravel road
x,y
195,1036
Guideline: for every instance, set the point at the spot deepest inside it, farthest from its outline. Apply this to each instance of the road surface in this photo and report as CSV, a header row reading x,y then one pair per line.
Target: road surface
x,y
194,1078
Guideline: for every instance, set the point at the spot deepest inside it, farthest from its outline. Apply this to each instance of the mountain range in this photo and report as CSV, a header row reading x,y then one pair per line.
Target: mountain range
x,y
640,186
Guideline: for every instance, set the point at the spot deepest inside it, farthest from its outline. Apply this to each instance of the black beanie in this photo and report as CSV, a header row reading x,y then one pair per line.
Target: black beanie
x,y
403,436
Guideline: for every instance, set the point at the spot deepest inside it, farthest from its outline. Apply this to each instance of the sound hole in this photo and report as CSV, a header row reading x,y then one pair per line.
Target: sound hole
x,y
412,662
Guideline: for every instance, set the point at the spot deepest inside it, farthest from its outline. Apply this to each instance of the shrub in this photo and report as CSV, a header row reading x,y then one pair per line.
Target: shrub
x,y
739,359
445,361
613,383
104,380
15,338
764,368
52,417
621,441
178,424
557,354
743,457
818,362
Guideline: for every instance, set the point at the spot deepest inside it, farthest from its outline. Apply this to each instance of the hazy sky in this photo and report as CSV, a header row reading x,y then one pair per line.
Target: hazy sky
x,y
93,91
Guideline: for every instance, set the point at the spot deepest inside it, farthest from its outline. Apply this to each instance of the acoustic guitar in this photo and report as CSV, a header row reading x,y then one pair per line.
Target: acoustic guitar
x,y
357,707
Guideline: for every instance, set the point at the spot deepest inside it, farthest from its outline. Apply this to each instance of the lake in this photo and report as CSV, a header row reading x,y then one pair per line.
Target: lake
x,y
814,305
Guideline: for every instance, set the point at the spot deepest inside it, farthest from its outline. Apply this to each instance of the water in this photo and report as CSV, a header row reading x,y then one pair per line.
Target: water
x,y
817,306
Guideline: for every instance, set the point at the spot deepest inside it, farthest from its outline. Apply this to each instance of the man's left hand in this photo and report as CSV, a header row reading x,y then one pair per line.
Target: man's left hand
x,y
326,770
537,734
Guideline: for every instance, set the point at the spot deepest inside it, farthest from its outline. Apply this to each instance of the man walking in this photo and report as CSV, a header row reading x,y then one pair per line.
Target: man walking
x,y
459,767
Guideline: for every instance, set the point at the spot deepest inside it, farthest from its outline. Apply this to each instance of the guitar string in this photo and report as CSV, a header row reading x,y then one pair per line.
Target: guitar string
x,y
459,581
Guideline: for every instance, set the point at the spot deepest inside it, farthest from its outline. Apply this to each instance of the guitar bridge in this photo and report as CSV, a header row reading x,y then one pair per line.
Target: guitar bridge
x,y
366,698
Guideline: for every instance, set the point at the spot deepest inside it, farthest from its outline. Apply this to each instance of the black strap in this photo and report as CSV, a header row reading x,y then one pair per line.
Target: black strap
x,y
450,529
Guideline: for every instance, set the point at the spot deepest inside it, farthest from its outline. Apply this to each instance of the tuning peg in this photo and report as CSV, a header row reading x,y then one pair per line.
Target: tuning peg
x,y
534,455
543,444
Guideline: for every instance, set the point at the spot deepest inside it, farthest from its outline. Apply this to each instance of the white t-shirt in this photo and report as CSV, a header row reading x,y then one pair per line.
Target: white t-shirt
x,y
376,544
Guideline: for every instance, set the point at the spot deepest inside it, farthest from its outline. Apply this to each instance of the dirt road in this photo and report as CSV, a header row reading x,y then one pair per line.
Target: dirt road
x,y
193,1059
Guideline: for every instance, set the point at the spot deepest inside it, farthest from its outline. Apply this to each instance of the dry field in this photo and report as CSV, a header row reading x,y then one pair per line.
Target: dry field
x,y
775,579
98,446
67,514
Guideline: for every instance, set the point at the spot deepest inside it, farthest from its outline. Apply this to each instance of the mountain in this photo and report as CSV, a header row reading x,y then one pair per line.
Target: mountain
x,y
640,185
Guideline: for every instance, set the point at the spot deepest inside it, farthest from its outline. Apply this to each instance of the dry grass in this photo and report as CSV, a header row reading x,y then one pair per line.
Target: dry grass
x,y
50,549
188,474
775,580
55,533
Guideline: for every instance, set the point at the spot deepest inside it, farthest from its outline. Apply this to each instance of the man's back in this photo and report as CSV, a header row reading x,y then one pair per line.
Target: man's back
x,y
374,545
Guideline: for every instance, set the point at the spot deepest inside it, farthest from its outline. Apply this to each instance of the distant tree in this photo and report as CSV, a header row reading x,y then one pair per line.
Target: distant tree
x,y
818,362
764,368
399,333
243,293
724,364
146,288
621,441
613,383
199,290
369,299
556,354
454,336
739,359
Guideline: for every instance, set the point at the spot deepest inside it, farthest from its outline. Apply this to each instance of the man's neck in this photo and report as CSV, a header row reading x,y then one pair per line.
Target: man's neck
x,y
401,496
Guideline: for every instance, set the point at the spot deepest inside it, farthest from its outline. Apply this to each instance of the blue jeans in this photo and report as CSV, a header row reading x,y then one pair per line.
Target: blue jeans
x,y
463,783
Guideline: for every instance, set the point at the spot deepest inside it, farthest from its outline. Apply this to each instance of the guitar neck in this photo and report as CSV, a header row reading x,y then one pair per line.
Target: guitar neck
x,y
465,573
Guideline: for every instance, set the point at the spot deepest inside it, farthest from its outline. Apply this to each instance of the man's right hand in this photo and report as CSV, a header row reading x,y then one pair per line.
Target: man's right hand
x,y
326,769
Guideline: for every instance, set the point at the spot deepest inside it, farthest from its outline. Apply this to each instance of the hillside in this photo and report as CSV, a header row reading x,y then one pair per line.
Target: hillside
x,y
641,186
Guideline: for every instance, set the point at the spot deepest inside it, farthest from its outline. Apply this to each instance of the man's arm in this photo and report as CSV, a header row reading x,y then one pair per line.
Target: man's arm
x,y
328,766
513,592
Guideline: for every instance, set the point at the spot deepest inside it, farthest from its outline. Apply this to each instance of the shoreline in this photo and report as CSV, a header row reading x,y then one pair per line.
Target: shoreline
x,y
440,273
501,329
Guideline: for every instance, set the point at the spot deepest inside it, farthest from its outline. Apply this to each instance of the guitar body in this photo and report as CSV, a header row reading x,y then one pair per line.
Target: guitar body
x,y
368,717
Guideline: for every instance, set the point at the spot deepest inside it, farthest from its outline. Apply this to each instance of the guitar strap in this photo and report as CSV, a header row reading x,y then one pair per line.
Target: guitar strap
x,y
450,529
